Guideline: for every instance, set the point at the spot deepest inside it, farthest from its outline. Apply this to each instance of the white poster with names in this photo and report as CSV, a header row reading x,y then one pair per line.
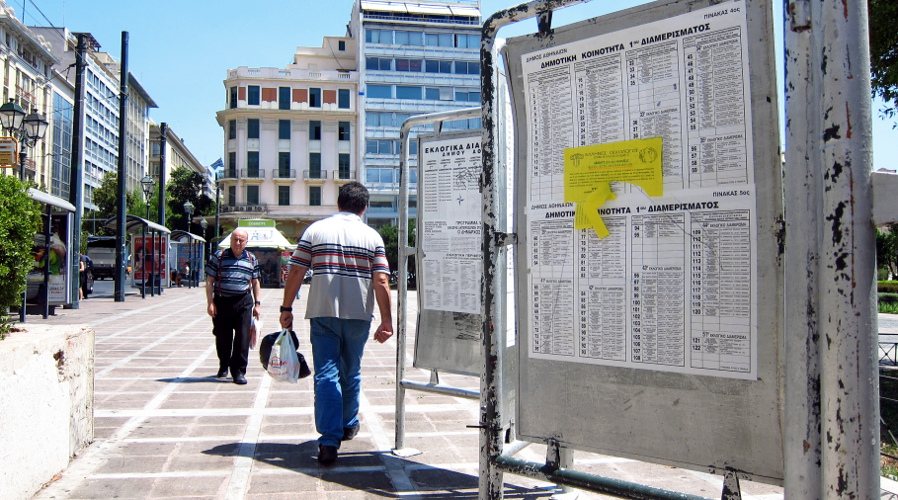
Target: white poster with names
x,y
674,285
450,215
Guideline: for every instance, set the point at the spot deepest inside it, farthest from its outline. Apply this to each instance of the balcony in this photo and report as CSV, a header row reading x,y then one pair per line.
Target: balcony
x,y
252,174
228,174
314,177
283,176
343,176
245,209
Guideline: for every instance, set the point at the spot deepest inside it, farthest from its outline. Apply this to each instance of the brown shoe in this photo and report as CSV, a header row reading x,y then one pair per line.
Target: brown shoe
x,y
327,454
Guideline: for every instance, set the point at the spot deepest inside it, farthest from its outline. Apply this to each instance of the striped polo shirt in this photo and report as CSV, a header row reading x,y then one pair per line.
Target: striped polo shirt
x,y
233,275
343,253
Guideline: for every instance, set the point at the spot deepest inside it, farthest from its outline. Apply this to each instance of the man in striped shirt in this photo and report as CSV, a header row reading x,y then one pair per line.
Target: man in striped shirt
x,y
232,299
349,274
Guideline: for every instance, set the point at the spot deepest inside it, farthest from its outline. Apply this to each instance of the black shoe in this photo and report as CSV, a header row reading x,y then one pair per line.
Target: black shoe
x,y
350,432
327,454
222,373
239,379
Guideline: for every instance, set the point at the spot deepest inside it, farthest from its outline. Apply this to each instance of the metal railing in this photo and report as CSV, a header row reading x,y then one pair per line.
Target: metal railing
x,y
260,208
283,174
251,173
343,175
314,174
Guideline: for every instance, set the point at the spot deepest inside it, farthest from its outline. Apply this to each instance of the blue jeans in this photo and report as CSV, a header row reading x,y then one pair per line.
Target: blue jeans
x,y
337,346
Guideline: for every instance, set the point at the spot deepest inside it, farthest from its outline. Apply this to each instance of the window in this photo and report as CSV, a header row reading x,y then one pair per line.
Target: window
x,y
341,45
314,130
379,36
467,41
408,65
252,195
232,102
343,98
284,165
380,91
314,196
283,97
252,164
408,92
232,129
252,128
232,196
378,63
252,95
467,96
432,93
439,39
467,68
314,165
433,66
231,172
343,131
343,166
283,195
379,146
379,176
412,147
409,38
283,129
314,97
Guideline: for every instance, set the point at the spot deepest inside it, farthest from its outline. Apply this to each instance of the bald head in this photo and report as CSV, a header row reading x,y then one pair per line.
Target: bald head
x,y
238,241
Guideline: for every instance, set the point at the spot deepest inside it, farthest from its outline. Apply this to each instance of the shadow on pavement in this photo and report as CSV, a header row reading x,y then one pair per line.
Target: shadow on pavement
x,y
194,380
370,472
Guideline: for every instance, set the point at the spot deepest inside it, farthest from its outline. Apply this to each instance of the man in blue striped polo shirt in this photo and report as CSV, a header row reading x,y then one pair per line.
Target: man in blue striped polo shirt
x,y
349,273
232,282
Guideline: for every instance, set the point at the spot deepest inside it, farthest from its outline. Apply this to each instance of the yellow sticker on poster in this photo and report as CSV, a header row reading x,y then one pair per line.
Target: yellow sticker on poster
x,y
590,170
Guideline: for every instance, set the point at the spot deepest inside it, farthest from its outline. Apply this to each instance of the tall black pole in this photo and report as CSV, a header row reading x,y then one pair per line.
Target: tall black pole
x,y
142,256
163,138
122,175
22,158
76,179
215,235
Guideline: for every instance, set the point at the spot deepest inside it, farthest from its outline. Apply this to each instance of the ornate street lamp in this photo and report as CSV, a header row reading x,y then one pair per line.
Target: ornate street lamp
x,y
205,224
147,184
188,209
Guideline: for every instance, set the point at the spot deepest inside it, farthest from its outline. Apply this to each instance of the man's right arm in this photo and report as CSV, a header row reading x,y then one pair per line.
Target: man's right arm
x,y
384,305
291,288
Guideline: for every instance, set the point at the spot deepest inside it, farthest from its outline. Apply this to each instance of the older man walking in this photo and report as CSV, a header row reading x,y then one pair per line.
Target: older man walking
x,y
232,299
350,273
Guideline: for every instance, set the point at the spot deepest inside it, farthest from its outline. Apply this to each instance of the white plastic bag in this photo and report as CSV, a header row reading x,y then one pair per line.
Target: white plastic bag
x,y
254,330
283,364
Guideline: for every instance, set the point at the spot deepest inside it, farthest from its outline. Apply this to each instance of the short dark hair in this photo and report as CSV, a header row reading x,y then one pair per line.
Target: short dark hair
x,y
353,198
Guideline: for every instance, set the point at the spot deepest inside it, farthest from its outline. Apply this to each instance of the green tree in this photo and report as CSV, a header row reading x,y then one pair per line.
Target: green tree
x,y
20,218
882,20
887,248
390,235
186,185
106,198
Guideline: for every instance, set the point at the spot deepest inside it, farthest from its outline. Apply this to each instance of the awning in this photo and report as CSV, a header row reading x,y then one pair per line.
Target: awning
x,y
383,6
49,199
134,224
182,236
262,237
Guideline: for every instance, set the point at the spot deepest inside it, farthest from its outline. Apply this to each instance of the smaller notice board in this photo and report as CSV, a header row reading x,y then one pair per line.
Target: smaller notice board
x,y
449,262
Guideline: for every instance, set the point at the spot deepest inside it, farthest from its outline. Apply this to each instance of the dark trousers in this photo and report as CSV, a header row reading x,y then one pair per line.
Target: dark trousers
x,y
231,329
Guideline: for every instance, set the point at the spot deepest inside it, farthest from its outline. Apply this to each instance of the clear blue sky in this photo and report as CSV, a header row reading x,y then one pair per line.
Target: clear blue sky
x,y
180,50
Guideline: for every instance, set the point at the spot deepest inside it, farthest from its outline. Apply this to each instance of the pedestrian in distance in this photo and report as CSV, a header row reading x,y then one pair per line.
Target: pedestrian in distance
x,y
350,274
233,289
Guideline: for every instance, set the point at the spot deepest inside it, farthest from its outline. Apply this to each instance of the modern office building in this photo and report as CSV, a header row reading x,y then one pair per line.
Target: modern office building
x,y
289,137
177,154
414,58
60,136
101,112
27,60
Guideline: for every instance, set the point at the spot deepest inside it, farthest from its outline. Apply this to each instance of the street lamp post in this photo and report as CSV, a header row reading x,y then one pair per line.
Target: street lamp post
x,y
147,183
27,130
188,209
204,224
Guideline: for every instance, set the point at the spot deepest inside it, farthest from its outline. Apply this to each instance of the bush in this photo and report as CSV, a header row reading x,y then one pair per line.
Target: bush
x,y
20,219
887,286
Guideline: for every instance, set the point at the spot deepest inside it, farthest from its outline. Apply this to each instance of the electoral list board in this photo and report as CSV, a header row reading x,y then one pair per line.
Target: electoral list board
x,y
672,286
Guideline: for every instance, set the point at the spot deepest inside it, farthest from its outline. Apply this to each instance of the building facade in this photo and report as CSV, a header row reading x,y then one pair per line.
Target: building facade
x,y
177,154
290,137
27,60
413,58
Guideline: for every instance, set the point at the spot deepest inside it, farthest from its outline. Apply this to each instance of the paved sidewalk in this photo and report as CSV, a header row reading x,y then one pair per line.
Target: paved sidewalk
x,y
166,428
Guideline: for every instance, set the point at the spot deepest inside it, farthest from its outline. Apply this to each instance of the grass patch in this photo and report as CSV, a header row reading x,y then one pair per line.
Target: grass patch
x,y
888,307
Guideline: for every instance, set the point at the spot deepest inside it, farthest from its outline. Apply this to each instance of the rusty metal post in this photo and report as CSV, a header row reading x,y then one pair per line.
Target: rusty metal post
x,y
801,454
834,451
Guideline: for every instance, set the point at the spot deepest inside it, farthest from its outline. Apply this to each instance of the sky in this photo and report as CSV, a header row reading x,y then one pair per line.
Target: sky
x,y
180,50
